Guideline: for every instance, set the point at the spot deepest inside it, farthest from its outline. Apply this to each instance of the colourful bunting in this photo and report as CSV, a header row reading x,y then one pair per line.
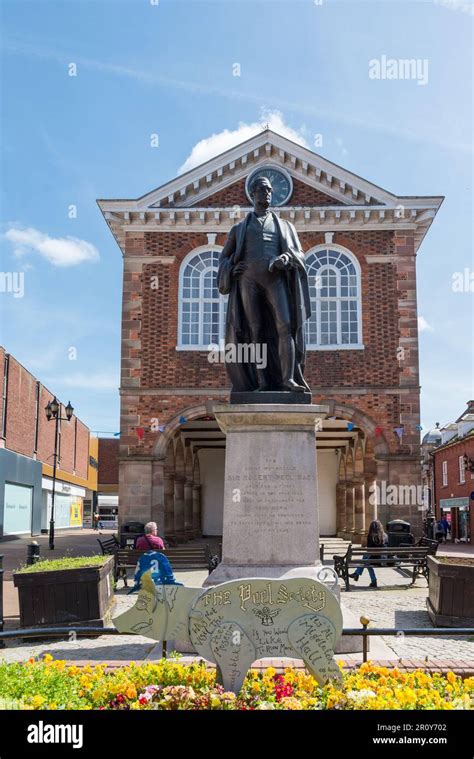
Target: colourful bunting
x,y
378,431
182,420
399,432
140,431
350,426
161,428
419,427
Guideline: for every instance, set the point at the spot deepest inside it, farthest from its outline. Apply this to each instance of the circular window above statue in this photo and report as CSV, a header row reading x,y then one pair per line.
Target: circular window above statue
x,y
282,183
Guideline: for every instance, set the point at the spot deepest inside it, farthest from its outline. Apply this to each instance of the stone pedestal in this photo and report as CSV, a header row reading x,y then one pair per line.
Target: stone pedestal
x,y
270,497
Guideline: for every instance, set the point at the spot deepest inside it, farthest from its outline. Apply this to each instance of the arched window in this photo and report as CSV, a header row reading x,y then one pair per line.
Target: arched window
x,y
334,288
201,307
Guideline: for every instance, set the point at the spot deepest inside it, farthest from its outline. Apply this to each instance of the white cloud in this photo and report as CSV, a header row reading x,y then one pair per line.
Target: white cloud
x,y
218,143
423,325
59,251
457,5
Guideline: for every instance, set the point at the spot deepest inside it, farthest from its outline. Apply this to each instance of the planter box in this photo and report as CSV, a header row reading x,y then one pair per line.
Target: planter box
x,y
451,592
66,597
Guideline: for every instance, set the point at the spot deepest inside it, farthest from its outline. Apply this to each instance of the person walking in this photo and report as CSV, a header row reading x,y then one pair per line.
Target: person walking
x,y
376,538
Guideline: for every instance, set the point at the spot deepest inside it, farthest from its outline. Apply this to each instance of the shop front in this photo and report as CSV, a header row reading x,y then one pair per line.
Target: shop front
x,y
20,494
456,511
68,504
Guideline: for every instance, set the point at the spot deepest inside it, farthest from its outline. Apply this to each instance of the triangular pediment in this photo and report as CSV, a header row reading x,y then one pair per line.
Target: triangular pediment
x,y
325,196
331,183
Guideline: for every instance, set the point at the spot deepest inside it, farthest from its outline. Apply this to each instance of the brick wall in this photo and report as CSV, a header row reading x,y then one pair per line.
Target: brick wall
x,y
153,314
2,374
234,195
454,488
21,409
108,461
21,415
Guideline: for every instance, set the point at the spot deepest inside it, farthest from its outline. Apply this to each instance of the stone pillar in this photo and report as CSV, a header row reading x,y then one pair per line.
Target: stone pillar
x,y
135,491
271,520
197,530
158,501
188,508
370,500
350,511
179,507
168,488
359,515
340,509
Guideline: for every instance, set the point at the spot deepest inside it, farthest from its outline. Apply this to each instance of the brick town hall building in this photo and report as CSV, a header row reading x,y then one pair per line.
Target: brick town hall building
x,y
362,340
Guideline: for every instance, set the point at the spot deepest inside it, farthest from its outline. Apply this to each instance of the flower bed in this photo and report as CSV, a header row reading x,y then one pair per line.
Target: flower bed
x,y
168,684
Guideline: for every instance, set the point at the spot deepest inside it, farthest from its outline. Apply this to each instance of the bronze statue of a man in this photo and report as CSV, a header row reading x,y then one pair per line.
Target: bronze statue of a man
x,y
262,269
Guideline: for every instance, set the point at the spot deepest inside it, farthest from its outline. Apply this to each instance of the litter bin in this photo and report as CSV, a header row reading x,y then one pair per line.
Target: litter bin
x,y
130,532
399,533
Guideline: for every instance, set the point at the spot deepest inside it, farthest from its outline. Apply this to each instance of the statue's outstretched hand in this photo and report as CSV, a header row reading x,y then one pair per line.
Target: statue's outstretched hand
x,y
239,269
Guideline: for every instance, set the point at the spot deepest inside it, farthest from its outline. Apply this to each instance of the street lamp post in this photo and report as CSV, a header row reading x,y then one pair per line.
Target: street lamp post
x,y
53,411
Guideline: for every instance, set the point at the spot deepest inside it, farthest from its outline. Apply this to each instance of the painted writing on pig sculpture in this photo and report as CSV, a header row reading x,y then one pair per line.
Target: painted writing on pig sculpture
x,y
237,622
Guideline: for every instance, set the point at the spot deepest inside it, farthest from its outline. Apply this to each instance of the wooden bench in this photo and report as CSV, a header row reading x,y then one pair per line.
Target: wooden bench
x,y
181,558
415,557
108,546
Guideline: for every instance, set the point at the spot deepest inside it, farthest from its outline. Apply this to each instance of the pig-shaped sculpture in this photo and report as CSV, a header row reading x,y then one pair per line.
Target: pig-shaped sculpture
x,y
238,622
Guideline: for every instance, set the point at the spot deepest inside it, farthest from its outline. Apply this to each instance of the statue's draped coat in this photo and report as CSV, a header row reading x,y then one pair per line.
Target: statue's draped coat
x,y
243,375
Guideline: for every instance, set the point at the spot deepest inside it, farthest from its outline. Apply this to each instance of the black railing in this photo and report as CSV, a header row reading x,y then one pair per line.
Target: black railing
x,y
364,631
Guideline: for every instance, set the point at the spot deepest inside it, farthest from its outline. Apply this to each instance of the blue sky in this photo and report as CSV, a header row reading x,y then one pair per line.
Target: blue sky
x,y
167,68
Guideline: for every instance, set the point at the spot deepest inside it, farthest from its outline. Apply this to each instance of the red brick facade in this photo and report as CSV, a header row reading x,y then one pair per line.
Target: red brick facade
x,y
454,488
21,411
150,334
108,461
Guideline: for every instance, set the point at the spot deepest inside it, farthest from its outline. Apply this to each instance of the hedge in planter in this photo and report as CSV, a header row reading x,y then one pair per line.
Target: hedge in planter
x,y
68,591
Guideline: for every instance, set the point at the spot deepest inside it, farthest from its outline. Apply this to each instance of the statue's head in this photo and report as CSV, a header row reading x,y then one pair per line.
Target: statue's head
x,y
261,192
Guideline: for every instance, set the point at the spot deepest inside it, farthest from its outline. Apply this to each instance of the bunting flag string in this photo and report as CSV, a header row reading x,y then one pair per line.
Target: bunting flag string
x,y
399,432
350,426
140,431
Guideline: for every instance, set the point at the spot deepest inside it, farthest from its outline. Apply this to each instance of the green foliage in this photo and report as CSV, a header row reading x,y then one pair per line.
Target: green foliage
x,y
67,562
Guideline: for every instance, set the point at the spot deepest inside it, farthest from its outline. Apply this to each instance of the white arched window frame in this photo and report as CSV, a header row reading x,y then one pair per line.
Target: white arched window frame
x,y
201,308
334,276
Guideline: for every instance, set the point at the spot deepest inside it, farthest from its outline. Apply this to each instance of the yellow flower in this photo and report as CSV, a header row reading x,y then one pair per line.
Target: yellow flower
x,y
38,702
451,678
270,672
131,692
47,658
255,687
